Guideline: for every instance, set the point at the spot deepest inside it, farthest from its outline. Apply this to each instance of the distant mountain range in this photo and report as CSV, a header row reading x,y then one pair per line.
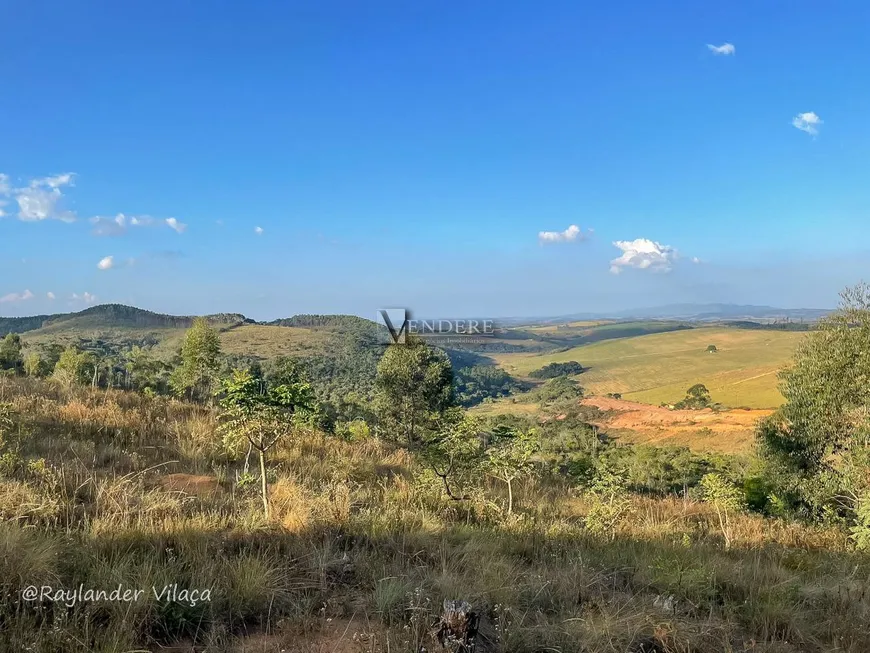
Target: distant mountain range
x,y
724,312
120,316
688,312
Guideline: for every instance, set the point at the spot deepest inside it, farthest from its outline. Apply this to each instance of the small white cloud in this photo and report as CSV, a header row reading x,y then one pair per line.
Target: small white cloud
x,y
572,233
4,184
120,224
116,226
16,297
85,297
106,263
725,48
258,231
643,254
807,122
176,225
50,295
695,260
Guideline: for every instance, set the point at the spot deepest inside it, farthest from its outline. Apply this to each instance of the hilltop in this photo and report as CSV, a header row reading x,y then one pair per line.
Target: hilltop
x,y
110,316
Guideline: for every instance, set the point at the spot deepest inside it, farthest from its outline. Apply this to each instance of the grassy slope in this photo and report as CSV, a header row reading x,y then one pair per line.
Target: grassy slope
x,y
358,556
271,341
660,367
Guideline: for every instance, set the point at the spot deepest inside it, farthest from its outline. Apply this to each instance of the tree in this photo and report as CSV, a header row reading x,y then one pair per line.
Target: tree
x,y
143,370
817,445
509,456
74,367
263,415
413,389
610,501
10,352
34,365
726,498
697,397
712,349
453,451
200,353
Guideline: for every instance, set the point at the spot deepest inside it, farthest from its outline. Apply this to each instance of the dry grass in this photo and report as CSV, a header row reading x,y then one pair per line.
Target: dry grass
x,y
360,552
272,341
660,367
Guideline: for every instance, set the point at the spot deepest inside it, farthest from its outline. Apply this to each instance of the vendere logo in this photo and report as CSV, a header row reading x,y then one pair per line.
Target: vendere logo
x,y
400,325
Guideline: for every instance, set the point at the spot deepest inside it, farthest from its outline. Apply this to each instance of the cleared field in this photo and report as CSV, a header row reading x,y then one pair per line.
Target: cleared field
x,y
271,341
578,324
660,367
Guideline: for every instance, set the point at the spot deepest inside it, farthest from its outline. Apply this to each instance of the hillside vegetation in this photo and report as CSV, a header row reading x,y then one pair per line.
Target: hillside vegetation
x,y
101,488
294,511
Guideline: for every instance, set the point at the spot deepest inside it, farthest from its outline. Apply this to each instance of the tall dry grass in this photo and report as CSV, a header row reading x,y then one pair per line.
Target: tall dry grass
x,y
105,488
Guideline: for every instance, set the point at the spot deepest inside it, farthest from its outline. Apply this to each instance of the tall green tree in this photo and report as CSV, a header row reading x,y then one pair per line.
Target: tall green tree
x,y
413,389
10,352
74,367
818,443
200,359
263,415
34,366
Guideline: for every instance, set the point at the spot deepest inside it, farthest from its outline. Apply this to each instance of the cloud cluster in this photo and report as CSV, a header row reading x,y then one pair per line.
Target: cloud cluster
x,y
15,297
807,122
40,199
572,233
85,297
120,224
724,49
643,254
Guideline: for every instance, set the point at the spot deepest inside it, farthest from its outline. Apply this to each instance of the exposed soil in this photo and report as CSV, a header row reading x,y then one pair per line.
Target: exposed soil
x,y
190,484
728,431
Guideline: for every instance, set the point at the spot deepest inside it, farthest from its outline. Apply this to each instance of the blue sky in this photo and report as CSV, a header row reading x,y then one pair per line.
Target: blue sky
x,y
432,155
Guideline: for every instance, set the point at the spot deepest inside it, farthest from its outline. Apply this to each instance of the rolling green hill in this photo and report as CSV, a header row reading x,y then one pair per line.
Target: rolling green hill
x,y
107,316
660,367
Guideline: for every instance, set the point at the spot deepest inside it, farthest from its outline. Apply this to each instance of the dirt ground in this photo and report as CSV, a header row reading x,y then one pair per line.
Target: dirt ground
x,y
728,431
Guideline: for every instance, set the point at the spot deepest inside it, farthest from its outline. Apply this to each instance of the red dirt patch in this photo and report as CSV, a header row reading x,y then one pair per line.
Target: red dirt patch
x,y
728,431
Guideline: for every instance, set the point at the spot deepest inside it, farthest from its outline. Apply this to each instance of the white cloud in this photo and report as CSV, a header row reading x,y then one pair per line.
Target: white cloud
x,y
16,297
50,295
570,234
695,260
85,297
725,48
41,199
106,263
4,184
258,231
807,122
643,254
121,224
176,225
110,226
